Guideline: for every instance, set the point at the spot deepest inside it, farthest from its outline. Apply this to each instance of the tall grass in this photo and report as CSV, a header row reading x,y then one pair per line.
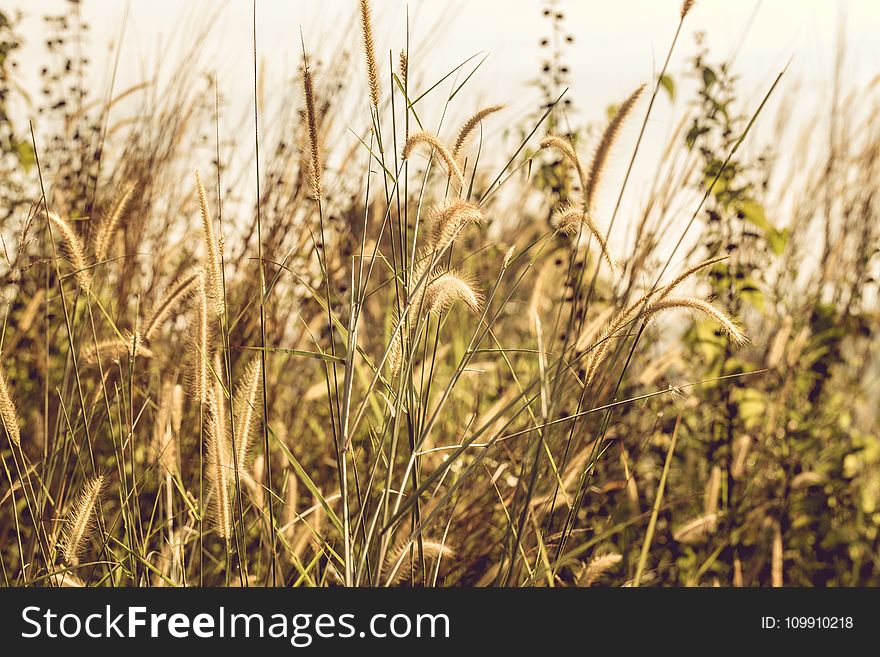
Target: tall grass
x,y
422,359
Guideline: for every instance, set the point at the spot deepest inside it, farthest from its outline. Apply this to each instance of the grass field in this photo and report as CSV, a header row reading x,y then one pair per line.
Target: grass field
x,y
395,364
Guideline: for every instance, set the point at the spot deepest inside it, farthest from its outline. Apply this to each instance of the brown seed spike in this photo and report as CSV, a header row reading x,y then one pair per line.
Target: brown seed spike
x,y
8,414
312,122
370,52
470,125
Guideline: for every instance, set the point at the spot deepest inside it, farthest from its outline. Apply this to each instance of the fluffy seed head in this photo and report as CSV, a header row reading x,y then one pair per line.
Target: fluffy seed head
x,y
450,218
312,122
75,252
110,222
370,52
565,147
247,410
424,137
470,125
446,289
686,6
173,298
8,413
214,282
570,220
80,520
597,567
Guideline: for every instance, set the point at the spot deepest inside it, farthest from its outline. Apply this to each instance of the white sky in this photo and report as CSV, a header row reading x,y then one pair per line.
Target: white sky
x,y
618,44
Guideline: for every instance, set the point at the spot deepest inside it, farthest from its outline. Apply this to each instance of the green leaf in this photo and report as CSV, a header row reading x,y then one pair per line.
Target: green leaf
x,y
668,85
753,212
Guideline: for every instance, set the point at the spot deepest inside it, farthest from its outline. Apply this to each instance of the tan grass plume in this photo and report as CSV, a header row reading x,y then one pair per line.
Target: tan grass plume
x,y
597,567
470,125
75,252
81,520
312,123
173,297
218,466
424,137
110,221
214,282
568,220
450,218
199,376
8,413
370,52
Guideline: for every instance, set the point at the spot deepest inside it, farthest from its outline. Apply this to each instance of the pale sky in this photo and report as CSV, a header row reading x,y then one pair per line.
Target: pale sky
x,y
618,44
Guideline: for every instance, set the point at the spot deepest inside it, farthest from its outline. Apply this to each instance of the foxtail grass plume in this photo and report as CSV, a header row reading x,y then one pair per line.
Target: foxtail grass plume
x,y
447,288
403,66
218,467
597,567
75,252
424,137
600,157
370,53
214,282
691,303
8,412
399,562
247,410
469,127
81,520
312,123
686,6
565,147
173,298
569,220
110,222
199,376
450,218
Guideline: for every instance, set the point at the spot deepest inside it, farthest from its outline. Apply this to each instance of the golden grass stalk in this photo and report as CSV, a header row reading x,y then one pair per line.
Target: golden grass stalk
x,y
444,290
218,470
424,137
75,252
600,157
81,520
110,221
172,299
247,411
312,123
8,413
370,53
568,219
450,218
565,147
214,282
604,341
597,567
470,125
